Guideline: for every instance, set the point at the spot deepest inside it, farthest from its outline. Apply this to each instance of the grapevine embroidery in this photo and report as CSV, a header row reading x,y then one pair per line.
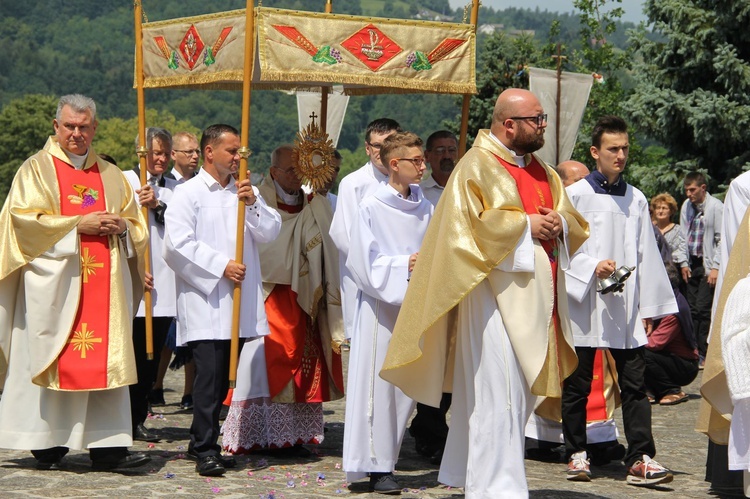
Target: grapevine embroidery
x,y
85,196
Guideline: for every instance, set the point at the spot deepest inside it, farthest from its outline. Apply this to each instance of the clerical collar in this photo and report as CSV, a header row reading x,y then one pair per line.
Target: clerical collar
x,y
76,160
518,160
286,198
601,185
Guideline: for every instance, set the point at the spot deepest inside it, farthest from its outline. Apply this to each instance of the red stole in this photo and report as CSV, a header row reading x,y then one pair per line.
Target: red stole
x,y
533,189
596,407
82,365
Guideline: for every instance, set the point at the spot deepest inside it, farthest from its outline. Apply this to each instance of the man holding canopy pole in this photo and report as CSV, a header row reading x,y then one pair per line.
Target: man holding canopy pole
x,y
199,245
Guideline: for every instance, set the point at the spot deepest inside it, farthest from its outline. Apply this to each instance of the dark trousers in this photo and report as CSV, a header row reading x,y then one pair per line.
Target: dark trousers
x,y
700,297
209,391
429,424
146,369
636,410
667,373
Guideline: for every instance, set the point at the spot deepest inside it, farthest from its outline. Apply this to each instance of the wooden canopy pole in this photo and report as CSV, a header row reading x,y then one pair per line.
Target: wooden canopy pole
x,y
142,151
325,89
234,348
467,97
558,102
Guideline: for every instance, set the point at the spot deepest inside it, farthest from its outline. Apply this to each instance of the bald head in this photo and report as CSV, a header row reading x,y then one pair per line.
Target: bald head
x,y
513,102
571,172
515,121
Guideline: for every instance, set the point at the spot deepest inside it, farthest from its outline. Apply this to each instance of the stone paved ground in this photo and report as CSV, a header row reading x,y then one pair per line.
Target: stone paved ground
x,y
170,474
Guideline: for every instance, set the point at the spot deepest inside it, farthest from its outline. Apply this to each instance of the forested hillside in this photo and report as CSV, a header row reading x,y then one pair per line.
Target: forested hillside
x,y
53,47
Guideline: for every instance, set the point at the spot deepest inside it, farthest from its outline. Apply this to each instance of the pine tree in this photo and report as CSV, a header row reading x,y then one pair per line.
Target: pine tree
x,y
693,91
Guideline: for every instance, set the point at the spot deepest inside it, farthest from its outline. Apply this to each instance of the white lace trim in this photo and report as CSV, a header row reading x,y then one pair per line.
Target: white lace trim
x,y
259,423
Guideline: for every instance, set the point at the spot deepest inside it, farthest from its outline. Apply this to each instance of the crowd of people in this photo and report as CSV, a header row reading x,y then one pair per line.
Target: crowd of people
x,y
526,301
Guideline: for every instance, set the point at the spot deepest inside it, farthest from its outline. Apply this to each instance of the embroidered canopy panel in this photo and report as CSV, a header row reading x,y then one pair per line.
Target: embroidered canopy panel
x,y
296,50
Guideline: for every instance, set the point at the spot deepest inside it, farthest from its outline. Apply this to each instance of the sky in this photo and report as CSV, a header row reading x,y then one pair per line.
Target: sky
x,y
633,8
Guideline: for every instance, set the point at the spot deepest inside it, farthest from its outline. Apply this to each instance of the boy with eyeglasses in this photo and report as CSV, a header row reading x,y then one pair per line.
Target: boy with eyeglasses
x,y
386,237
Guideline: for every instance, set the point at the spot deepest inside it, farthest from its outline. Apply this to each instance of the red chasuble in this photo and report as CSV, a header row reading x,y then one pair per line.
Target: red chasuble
x,y
82,365
293,350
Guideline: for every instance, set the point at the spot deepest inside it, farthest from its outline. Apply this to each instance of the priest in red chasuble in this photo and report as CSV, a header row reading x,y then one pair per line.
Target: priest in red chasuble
x,y
284,378
485,314
71,268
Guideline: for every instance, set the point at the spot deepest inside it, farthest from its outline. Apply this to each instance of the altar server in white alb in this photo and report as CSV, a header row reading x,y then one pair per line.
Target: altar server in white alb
x,y
201,228
386,237
352,190
621,235
155,195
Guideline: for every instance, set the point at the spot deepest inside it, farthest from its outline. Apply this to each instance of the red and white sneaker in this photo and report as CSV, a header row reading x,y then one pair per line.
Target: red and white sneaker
x,y
578,468
647,472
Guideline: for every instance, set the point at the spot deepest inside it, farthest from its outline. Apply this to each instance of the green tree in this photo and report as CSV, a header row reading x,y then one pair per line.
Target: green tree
x,y
596,54
693,92
26,123
503,64
116,136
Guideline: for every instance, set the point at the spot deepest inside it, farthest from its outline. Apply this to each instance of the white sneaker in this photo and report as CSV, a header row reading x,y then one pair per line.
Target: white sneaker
x,y
647,472
578,468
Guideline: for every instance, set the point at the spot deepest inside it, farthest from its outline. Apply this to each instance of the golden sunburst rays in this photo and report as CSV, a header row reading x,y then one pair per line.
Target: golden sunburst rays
x,y
84,340
89,265
313,156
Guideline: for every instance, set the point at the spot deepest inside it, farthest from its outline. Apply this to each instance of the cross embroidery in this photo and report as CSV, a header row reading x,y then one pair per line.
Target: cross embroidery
x,y
84,340
89,265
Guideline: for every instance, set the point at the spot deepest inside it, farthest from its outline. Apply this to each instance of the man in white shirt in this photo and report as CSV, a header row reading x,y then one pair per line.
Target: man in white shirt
x,y
186,154
200,245
155,195
352,190
441,153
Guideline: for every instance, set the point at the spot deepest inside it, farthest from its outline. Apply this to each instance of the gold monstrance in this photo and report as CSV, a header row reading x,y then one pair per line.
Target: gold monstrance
x,y
313,156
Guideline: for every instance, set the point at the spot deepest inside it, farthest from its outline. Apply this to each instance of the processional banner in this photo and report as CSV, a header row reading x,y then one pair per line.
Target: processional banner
x,y
574,95
298,49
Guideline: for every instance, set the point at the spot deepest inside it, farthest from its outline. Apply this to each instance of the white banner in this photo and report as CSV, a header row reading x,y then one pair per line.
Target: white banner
x,y
309,103
574,94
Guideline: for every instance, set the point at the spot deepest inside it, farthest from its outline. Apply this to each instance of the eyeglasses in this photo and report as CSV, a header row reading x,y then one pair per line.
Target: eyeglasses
x,y
375,146
441,150
417,162
539,118
189,152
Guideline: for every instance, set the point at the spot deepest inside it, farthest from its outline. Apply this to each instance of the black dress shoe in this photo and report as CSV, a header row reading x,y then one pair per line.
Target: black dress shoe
x,y
226,461
210,466
126,460
142,434
156,396
186,403
50,459
384,483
